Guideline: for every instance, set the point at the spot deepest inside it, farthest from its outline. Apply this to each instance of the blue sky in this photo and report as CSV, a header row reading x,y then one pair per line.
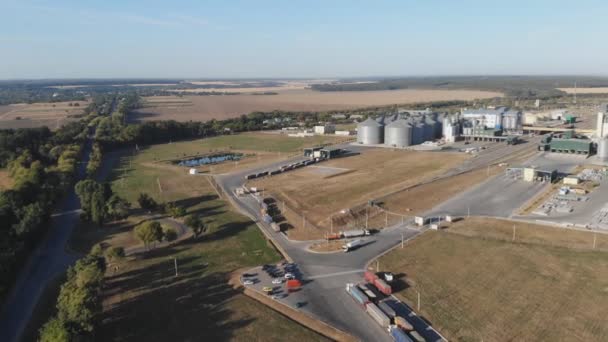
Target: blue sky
x,y
331,38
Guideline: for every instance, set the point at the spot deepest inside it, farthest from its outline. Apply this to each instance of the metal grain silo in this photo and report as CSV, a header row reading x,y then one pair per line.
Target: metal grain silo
x,y
398,133
602,149
434,128
370,132
417,132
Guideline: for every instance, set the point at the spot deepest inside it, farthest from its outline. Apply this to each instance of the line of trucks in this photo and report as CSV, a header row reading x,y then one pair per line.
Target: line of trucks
x,y
366,296
282,169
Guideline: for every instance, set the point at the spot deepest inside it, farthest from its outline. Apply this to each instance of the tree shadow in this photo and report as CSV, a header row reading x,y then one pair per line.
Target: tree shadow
x,y
190,307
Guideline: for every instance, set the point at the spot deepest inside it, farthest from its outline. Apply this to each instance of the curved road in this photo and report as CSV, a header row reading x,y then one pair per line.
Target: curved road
x,y
326,275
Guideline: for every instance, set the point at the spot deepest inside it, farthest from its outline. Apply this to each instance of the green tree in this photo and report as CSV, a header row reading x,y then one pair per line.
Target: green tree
x,y
175,210
117,207
98,208
146,202
92,197
115,253
195,223
31,217
149,232
55,331
170,234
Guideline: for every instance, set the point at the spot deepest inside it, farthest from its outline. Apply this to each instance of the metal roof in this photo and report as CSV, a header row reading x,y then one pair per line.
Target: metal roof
x,y
370,123
399,123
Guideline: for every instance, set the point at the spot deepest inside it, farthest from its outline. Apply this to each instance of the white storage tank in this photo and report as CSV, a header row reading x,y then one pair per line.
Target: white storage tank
x,y
602,149
370,132
398,133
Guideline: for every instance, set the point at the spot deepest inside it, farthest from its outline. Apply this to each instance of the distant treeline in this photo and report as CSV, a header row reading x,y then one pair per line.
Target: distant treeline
x,y
513,86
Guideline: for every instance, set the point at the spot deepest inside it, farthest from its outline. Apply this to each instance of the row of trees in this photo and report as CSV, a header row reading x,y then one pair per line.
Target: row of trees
x,y
79,302
95,158
42,165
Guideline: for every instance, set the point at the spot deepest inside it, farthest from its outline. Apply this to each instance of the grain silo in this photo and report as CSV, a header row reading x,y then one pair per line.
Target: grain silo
x,y
429,128
398,133
602,149
417,132
370,132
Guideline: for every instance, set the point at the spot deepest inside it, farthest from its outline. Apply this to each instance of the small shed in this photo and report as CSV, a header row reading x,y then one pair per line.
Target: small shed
x,y
571,180
192,171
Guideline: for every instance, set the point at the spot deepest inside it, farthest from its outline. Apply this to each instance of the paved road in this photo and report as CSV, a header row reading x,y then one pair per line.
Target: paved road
x,y
325,275
48,260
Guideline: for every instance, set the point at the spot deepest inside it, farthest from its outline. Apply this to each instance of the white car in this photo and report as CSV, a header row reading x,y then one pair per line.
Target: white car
x,y
277,281
248,282
276,297
289,276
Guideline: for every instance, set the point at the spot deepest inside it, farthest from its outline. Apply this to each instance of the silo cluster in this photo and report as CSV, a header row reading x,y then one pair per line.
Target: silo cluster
x,y
399,130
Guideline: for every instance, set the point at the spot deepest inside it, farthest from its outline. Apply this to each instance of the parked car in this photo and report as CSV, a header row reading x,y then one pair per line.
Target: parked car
x,y
248,282
276,297
289,276
277,281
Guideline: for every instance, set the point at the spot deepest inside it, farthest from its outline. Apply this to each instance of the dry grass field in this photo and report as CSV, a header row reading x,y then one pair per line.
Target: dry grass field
x,y
226,106
594,90
476,284
52,115
338,184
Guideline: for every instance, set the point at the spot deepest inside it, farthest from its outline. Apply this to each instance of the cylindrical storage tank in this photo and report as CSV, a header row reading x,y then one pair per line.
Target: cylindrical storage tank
x,y
398,134
370,132
602,149
417,132
429,129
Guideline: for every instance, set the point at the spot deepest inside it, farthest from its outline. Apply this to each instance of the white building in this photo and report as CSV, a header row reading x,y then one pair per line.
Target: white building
x,y
325,129
498,118
345,133
601,130
192,171
451,130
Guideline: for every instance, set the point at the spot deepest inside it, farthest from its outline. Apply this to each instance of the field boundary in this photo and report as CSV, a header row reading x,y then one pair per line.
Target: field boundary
x,y
302,318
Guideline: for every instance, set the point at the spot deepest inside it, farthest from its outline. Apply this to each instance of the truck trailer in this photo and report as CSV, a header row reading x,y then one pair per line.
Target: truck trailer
x,y
387,309
378,315
397,334
356,294
352,245
354,233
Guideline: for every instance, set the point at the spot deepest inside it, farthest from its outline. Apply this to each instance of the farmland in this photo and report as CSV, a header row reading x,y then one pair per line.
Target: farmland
x,y
327,188
199,304
477,282
201,108
593,90
52,115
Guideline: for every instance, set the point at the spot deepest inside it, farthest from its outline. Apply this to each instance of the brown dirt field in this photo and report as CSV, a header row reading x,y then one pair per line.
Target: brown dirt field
x,y
375,172
476,285
228,106
328,246
598,90
53,115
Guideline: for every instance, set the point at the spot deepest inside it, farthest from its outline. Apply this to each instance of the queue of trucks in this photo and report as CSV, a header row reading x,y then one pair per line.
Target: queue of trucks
x,y
382,313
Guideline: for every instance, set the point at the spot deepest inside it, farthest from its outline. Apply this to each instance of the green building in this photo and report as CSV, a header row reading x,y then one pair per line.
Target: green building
x,y
574,146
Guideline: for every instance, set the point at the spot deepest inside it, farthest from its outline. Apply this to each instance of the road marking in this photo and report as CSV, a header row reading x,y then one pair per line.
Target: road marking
x,y
328,275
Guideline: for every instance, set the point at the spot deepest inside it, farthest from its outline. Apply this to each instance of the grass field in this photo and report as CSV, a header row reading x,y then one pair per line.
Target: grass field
x,y
201,108
53,115
332,186
476,284
594,90
144,301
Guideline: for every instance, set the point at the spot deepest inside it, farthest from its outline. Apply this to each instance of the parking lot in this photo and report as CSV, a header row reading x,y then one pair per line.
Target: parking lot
x,y
272,280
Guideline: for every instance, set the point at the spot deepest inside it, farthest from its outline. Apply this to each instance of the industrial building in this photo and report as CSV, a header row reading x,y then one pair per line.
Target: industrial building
x,y
501,118
399,130
531,174
567,142
325,129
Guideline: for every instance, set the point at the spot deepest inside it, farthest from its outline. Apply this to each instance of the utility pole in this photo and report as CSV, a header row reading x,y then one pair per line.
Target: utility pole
x,y
401,240
418,300
594,237
385,219
513,238
175,264
377,265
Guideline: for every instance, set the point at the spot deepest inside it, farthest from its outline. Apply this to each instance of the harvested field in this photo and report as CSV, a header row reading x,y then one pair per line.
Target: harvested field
x,y
598,90
373,173
52,115
201,108
475,284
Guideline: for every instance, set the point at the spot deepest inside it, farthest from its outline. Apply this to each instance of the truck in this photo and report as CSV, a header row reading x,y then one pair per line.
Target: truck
x,y
403,323
383,286
387,309
250,176
416,336
397,334
370,276
334,236
352,245
356,294
354,233
267,219
275,227
293,285
377,315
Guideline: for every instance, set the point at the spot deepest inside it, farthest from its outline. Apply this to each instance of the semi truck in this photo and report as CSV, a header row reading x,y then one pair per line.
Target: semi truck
x,y
352,245
378,315
356,294
275,227
378,283
397,334
354,233
387,309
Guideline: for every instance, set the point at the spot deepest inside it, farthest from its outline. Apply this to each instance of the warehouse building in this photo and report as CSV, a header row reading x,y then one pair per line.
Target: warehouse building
x,y
567,142
325,129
